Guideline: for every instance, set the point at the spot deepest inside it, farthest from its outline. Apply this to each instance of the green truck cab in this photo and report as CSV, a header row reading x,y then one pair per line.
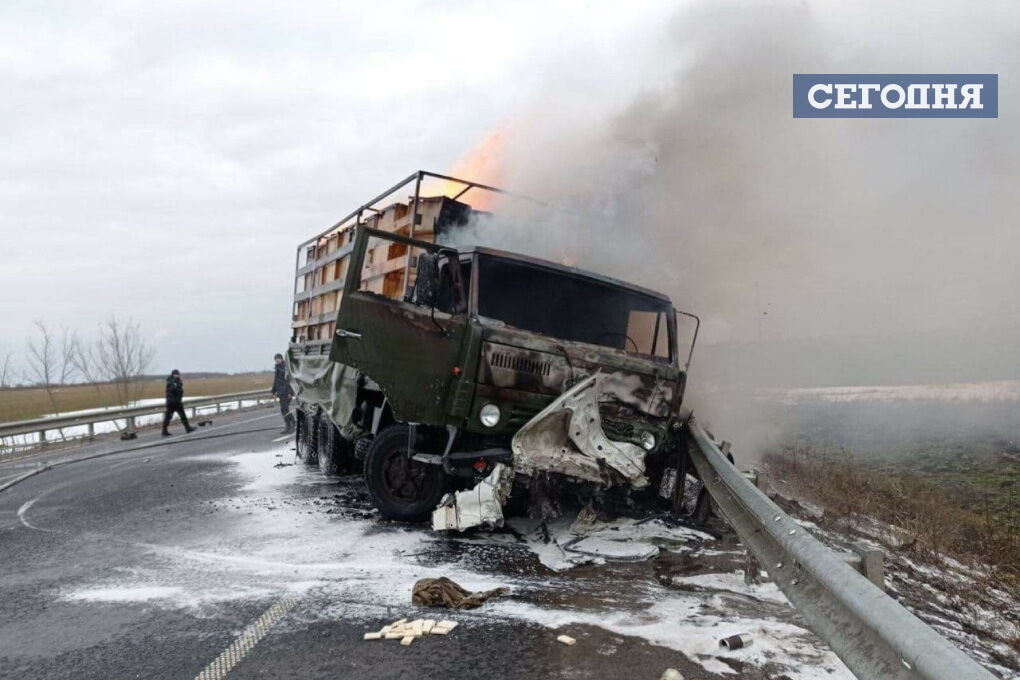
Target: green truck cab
x,y
491,365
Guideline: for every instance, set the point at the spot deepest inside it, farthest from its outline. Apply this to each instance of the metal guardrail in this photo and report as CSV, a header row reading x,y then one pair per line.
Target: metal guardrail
x,y
873,634
41,426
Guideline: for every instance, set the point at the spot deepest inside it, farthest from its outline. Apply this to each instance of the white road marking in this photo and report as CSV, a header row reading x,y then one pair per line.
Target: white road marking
x,y
21,515
283,438
249,637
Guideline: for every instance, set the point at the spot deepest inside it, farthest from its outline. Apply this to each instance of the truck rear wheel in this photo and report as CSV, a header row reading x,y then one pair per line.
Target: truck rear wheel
x,y
306,439
326,445
403,489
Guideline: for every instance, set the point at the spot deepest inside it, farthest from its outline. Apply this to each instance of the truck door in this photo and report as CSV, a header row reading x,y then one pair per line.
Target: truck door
x,y
409,348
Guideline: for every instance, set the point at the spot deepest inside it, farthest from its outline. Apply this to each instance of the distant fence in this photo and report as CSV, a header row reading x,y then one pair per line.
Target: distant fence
x,y
36,432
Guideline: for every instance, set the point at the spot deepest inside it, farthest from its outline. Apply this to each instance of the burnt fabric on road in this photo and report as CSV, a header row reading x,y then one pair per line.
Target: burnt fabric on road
x,y
442,592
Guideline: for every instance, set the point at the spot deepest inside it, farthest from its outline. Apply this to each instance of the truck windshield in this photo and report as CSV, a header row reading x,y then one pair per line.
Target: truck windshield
x,y
572,308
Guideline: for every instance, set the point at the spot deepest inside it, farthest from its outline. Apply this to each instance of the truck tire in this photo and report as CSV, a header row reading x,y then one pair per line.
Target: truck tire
x,y
326,445
405,490
305,440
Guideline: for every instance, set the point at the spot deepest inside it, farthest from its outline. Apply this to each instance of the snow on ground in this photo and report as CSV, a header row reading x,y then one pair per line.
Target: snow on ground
x,y
282,532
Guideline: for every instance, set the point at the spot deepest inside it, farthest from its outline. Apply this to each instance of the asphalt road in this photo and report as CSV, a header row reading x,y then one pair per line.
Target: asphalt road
x,y
217,555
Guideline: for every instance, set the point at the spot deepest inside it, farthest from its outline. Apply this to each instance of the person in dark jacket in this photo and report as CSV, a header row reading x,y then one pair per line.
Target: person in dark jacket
x,y
174,402
282,391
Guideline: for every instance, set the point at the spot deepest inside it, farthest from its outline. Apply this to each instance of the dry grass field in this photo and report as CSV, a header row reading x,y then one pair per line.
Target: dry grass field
x,y
22,404
976,517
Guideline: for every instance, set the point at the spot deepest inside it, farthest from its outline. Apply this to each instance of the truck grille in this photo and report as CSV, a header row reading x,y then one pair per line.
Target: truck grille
x,y
520,414
520,364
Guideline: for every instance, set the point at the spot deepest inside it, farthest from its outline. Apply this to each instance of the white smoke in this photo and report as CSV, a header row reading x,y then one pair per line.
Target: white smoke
x,y
777,229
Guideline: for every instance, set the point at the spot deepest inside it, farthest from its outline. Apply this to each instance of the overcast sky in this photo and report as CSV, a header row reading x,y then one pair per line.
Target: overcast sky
x,y
161,161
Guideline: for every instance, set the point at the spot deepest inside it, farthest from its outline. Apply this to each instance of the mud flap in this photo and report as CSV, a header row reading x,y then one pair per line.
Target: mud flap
x,y
480,506
567,437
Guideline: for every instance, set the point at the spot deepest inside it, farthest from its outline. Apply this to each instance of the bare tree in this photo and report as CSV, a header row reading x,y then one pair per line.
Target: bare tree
x,y
50,361
66,351
121,355
42,361
83,356
7,370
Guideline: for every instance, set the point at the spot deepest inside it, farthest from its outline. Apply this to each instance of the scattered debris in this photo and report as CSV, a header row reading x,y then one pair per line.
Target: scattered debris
x,y
734,642
567,640
692,490
671,674
480,506
443,627
408,631
624,551
442,592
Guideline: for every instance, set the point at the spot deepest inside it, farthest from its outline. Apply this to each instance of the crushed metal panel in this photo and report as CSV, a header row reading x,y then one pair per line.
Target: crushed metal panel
x,y
479,506
567,438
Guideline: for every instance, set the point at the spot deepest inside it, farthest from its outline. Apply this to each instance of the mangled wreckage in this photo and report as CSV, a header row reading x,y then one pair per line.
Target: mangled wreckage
x,y
462,379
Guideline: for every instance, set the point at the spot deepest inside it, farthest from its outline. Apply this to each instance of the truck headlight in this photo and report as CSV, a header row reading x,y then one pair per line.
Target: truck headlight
x,y
489,415
647,441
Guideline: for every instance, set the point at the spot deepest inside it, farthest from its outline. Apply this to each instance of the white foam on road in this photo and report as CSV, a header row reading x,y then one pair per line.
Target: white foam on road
x,y
270,541
694,625
733,582
128,594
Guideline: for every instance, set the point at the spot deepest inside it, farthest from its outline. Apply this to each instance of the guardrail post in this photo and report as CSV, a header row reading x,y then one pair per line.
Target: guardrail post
x,y
42,436
871,564
217,407
194,412
92,430
752,575
131,424
238,404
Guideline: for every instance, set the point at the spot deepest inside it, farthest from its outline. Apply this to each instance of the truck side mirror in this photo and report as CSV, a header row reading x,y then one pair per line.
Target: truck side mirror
x,y
426,282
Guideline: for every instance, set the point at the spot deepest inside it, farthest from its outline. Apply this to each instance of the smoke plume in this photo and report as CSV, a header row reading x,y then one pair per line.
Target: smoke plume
x,y
816,251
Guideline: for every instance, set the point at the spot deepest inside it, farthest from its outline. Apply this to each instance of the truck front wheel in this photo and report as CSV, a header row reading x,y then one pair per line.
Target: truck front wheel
x,y
403,489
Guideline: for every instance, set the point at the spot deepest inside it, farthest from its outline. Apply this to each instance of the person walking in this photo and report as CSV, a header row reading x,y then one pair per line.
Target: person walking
x,y
174,402
282,391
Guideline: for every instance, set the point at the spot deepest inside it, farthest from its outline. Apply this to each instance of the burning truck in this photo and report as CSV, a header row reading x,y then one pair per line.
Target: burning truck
x,y
462,379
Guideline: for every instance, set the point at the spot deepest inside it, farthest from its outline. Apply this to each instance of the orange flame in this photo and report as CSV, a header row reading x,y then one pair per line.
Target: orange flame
x,y
482,163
